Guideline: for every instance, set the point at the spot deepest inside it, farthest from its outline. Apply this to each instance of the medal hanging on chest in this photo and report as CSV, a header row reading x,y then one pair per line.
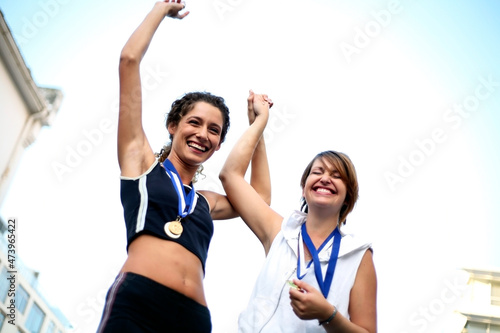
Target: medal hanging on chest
x,y
186,203
174,228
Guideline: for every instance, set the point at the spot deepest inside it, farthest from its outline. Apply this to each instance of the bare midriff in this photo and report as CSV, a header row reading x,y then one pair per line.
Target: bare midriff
x,y
167,263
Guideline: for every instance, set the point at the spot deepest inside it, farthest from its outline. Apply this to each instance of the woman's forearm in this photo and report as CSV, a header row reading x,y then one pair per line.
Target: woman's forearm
x,y
139,41
260,178
240,156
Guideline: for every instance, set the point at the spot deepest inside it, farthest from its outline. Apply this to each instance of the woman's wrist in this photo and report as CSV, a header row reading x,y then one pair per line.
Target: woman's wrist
x,y
330,318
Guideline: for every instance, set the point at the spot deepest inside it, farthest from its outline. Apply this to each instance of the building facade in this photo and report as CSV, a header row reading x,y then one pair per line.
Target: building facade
x,y
24,109
481,306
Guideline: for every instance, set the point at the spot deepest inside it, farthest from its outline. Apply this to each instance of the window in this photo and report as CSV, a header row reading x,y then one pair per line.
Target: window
x,y
495,293
4,284
472,327
494,328
476,327
22,298
51,327
35,319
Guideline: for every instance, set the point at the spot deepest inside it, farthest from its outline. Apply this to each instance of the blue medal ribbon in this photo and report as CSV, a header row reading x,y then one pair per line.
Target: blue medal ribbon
x,y
318,251
325,283
187,203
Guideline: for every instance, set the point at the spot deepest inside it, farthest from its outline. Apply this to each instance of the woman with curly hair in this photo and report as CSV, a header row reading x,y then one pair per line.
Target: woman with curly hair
x,y
169,223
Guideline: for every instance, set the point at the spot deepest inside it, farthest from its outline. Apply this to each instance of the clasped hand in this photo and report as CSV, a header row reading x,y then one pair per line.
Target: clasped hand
x,y
173,8
258,104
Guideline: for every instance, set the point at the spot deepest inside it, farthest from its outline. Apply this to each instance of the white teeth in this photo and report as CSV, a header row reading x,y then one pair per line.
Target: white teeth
x,y
323,190
194,145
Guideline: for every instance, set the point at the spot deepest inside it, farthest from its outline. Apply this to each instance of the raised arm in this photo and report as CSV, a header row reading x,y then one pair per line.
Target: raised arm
x,y
260,179
248,203
135,155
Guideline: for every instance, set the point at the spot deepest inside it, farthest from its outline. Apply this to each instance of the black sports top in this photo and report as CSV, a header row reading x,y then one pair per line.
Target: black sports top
x,y
150,201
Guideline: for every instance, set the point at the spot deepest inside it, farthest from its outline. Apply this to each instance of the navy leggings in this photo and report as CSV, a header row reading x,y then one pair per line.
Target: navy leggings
x,y
136,304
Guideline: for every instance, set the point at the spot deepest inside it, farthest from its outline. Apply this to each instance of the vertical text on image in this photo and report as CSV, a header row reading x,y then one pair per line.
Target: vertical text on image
x,y
12,269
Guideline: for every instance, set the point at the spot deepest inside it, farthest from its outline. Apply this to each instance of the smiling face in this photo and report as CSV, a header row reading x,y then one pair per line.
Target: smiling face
x,y
324,187
332,175
198,134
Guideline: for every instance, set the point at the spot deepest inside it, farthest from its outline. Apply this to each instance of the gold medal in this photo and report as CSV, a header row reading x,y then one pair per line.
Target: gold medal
x,y
174,228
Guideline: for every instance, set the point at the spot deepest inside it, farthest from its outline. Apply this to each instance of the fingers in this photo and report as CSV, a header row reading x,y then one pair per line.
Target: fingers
x,y
250,97
251,112
263,98
303,286
257,105
183,15
176,1
268,100
175,11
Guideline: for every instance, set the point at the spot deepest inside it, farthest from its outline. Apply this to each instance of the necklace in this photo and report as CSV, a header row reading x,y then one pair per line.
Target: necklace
x,y
186,203
325,283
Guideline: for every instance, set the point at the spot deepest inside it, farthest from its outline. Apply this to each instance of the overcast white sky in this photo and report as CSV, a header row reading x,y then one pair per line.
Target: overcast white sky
x,y
409,89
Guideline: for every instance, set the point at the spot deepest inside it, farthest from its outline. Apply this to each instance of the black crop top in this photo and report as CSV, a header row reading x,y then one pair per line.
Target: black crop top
x,y
150,201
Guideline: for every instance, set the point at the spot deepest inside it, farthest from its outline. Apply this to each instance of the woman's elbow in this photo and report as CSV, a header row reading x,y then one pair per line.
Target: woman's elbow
x,y
223,176
128,59
226,176
267,199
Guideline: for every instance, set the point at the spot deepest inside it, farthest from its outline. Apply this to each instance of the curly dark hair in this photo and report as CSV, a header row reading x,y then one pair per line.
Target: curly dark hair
x,y
186,103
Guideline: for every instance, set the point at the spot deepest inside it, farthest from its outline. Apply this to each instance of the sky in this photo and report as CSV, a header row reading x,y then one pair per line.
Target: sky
x,y
410,90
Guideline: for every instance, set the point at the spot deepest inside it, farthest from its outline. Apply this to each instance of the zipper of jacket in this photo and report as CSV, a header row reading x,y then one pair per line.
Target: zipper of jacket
x,y
279,299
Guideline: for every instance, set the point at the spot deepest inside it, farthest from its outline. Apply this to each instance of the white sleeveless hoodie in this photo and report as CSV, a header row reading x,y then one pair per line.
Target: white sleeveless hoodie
x,y
269,309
